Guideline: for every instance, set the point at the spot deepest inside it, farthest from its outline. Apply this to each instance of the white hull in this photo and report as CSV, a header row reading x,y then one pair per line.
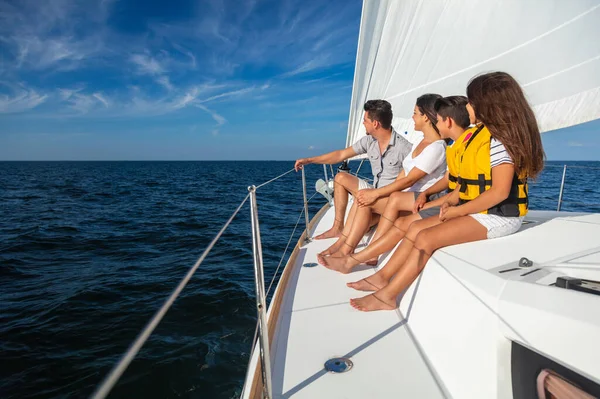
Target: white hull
x,y
453,333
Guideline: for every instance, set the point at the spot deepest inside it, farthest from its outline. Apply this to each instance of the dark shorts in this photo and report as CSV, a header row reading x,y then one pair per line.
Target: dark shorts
x,y
434,211
429,212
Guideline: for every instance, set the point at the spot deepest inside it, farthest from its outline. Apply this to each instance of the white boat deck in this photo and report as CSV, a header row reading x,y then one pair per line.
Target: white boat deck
x,y
321,324
470,293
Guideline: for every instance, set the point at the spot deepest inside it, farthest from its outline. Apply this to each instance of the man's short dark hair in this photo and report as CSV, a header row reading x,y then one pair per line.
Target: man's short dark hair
x,y
380,111
454,107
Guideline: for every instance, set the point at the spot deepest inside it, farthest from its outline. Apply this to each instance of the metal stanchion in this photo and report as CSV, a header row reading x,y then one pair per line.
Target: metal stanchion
x,y
259,280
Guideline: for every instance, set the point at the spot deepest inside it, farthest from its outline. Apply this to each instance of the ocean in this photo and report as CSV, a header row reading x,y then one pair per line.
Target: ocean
x,y
90,250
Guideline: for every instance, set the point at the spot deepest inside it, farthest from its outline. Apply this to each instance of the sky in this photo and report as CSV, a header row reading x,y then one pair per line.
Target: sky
x,y
187,80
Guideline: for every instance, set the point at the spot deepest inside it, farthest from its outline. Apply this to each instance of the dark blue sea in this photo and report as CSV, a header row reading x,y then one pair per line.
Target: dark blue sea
x,y
90,250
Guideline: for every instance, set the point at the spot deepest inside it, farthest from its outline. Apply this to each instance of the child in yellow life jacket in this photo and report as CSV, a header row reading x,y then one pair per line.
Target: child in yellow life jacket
x,y
490,199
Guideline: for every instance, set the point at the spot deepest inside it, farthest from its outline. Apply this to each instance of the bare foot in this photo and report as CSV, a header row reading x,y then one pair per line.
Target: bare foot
x,y
335,247
371,302
343,265
371,283
321,259
331,233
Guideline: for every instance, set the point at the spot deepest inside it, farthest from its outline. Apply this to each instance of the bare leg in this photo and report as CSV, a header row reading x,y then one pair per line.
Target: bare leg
x,y
386,243
455,231
383,276
344,184
346,230
398,202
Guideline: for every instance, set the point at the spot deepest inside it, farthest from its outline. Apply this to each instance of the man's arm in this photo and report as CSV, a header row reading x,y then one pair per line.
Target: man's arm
x,y
329,158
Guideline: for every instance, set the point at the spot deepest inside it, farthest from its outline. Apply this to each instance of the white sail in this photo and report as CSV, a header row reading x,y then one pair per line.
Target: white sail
x,y
411,47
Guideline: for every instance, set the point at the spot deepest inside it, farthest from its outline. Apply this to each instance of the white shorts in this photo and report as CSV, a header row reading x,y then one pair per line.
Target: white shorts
x,y
363,184
498,226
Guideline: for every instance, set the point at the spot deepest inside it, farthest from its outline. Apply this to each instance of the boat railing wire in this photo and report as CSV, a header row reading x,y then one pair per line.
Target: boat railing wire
x,y
117,371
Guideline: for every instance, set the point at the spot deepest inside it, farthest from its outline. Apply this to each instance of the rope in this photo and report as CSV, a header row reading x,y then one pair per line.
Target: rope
x,y
287,246
284,252
112,378
272,180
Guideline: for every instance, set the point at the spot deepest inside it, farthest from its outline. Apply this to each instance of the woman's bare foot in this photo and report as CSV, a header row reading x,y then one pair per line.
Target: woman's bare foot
x,y
331,233
371,283
334,248
343,265
372,302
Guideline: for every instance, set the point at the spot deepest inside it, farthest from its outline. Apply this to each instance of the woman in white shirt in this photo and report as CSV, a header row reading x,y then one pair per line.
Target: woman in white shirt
x,y
423,167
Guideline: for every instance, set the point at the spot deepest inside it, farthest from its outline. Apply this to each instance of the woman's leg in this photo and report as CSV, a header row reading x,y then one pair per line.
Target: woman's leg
x,y
399,201
455,231
383,276
384,244
359,222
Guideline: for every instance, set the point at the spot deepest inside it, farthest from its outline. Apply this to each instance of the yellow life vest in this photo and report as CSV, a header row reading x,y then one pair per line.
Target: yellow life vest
x,y
475,177
454,150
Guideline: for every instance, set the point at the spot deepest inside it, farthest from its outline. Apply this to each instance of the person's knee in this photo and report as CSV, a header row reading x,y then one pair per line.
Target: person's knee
x,y
413,230
343,180
394,200
424,242
402,224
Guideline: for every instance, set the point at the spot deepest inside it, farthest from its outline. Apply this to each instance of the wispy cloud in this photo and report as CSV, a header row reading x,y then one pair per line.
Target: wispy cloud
x,y
57,34
574,144
101,98
220,120
147,65
19,98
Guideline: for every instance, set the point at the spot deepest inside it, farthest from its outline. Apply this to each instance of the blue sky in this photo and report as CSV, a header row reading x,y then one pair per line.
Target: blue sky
x,y
186,80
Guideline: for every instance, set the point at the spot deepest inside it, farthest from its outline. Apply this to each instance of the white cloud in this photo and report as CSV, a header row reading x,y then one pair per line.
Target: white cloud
x,y
53,34
574,144
147,65
311,147
101,98
19,98
165,82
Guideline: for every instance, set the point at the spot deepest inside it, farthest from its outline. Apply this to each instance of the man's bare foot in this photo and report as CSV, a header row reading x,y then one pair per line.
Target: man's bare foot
x,y
342,265
331,233
371,283
372,302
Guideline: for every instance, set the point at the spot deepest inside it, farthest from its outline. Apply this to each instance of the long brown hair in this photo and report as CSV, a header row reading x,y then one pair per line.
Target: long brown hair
x,y
499,102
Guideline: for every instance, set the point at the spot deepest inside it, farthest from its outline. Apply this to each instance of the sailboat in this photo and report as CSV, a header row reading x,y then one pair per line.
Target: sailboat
x,y
514,317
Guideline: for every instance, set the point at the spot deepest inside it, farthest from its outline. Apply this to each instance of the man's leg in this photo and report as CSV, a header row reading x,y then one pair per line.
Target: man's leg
x,y
345,231
344,184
